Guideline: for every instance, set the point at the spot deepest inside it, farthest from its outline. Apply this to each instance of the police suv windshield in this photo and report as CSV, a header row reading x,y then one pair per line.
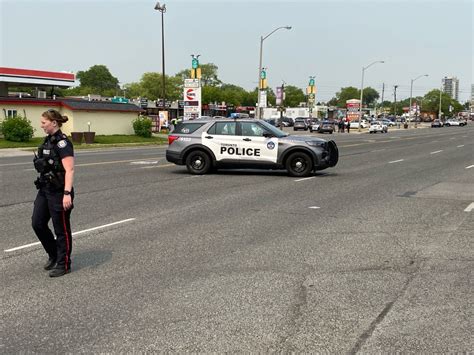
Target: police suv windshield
x,y
275,131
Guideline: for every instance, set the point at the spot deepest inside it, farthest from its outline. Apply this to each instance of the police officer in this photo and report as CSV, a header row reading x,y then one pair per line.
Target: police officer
x,y
55,165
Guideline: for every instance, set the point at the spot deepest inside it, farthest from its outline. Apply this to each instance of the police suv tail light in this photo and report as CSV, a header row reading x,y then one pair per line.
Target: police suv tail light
x,y
171,139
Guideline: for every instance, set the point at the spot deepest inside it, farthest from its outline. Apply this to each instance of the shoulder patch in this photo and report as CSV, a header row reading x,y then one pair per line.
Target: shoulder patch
x,y
62,143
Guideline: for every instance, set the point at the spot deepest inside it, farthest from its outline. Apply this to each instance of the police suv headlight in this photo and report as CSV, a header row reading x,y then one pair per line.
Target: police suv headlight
x,y
317,144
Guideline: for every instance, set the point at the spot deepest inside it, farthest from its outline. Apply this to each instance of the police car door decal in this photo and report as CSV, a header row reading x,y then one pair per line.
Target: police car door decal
x,y
263,149
227,146
222,141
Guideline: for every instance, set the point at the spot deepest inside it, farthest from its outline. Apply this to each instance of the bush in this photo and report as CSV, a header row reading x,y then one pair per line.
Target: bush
x,y
17,129
142,126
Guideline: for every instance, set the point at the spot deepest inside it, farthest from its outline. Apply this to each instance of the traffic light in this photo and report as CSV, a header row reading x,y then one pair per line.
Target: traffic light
x,y
263,79
195,69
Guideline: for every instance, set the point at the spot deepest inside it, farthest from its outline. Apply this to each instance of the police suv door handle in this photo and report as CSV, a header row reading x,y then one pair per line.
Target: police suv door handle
x,y
246,139
209,137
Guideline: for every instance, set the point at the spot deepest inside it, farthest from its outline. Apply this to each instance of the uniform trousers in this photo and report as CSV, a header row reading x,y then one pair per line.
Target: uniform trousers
x,y
49,206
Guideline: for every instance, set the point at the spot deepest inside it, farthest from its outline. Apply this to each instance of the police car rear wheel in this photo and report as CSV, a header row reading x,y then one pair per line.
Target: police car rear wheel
x,y
299,164
198,163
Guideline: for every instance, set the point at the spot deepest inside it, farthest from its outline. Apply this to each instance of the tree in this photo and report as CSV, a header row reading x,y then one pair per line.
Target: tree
x,y
99,79
293,96
431,103
370,96
208,75
347,93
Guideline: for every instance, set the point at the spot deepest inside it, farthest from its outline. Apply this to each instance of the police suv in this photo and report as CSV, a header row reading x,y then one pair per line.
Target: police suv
x,y
207,144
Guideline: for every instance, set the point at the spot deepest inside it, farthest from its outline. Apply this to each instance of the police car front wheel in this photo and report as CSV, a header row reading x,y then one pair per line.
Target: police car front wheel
x,y
198,162
299,164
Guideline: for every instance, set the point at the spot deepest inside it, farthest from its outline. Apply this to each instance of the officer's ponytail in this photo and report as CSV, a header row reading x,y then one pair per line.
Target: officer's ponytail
x,y
54,115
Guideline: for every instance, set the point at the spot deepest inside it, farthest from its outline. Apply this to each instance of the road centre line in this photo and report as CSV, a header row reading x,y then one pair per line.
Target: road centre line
x,y
470,207
470,166
73,234
311,177
436,152
314,207
460,146
396,161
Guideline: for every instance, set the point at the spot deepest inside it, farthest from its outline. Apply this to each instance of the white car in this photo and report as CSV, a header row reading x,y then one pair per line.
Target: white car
x,y
378,126
355,124
453,122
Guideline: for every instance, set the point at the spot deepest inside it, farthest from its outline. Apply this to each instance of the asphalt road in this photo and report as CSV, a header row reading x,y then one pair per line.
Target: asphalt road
x,y
374,255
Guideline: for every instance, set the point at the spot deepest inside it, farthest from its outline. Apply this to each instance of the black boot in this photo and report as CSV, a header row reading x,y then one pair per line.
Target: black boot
x,y
59,271
50,264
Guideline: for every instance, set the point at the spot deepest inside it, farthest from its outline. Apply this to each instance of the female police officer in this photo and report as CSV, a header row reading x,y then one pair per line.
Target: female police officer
x,y
55,165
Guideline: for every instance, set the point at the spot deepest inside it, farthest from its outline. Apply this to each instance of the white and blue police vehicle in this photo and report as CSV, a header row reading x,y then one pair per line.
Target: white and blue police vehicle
x,y
208,144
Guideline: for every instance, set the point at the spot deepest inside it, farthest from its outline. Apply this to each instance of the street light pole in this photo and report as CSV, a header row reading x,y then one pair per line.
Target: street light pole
x,y
439,113
262,38
362,89
162,9
411,95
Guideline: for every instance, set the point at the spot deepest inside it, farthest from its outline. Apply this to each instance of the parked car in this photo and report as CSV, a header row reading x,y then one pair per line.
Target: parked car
x,y
355,124
314,126
388,122
290,121
300,123
454,122
272,121
437,124
378,126
326,126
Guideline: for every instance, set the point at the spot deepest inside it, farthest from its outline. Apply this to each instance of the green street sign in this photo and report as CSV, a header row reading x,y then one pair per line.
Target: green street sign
x,y
195,63
120,100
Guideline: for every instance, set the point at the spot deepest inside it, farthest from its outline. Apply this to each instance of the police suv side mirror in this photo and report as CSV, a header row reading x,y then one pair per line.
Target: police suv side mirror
x,y
268,135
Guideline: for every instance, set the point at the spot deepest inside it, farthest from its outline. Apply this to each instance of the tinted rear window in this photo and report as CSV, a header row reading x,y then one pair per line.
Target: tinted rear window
x,y
187,128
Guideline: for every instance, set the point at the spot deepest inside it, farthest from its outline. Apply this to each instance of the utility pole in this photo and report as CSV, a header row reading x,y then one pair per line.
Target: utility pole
x,y
440,93
395,100
381,105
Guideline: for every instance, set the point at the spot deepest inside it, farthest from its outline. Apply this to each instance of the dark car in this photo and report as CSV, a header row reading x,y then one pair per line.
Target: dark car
x,y
326,127
300,123
437,124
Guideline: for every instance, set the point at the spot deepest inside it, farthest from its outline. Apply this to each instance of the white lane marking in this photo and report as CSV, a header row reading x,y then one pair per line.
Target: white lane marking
x,y
452,138
436,152
12,164
73,234
312,177
470,207
144,162
460,146
314,207
395,161
470,166
156,166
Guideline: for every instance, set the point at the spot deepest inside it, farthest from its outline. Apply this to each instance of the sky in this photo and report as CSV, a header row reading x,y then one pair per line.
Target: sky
x,y
331,40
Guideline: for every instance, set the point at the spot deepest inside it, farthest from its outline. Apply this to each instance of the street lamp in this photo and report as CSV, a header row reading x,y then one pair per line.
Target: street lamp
x,y
162,9
411,94
362,88
262,38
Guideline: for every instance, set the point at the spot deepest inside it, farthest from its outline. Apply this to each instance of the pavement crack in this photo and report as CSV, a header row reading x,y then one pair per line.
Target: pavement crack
x,y
381,316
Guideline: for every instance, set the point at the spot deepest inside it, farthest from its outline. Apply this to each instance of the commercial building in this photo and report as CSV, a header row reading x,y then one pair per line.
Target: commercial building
x,y
101,117
451,87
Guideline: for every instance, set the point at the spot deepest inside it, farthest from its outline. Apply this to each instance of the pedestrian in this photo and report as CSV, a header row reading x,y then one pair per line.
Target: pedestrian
x,y
55,165
348,126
